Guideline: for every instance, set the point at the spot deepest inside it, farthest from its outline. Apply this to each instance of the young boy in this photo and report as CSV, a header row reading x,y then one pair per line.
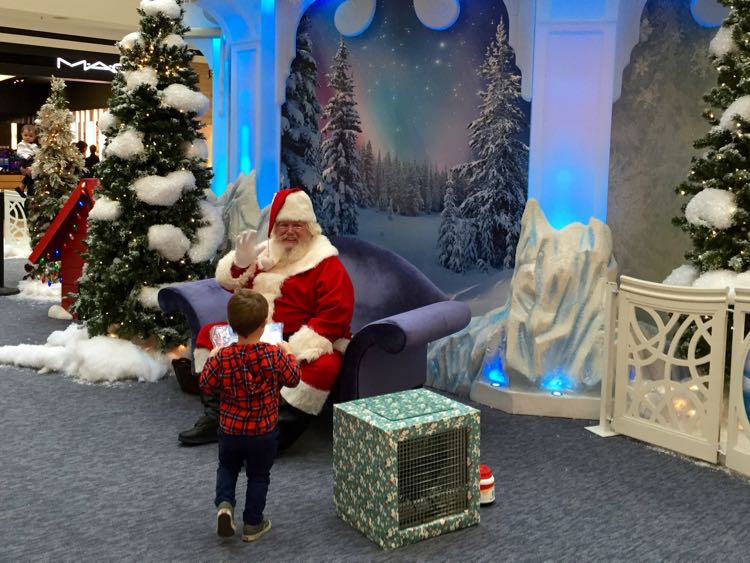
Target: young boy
x,y
247,377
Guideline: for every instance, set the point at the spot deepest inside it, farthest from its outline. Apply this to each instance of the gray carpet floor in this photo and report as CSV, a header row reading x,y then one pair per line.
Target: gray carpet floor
x,y
95,473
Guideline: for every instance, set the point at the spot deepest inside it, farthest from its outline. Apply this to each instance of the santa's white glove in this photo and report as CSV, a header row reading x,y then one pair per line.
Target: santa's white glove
x,y
244,248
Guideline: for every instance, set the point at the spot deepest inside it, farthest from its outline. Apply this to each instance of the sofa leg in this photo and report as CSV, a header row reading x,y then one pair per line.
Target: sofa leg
x,y
186,378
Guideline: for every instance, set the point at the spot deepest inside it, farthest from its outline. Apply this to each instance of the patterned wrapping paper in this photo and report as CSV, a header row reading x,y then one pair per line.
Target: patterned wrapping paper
x,y
366,434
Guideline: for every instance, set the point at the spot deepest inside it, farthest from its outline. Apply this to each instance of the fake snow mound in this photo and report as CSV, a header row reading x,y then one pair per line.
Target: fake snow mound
x,y
38,291
16,250
89,360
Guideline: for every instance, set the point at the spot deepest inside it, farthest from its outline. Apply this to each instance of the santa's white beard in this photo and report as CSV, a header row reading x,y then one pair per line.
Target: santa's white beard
x,y
282,255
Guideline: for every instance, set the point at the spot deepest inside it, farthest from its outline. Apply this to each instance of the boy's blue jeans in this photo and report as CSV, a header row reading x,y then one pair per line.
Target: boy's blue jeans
x,y
257,453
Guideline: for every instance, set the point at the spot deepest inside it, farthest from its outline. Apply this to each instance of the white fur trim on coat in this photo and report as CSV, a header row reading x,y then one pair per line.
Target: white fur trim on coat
x,y
307,345
269,283
341,345
305,397
200,357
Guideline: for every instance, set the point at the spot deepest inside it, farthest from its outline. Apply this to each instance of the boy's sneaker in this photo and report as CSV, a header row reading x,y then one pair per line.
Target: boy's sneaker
x,y
225,520
252,533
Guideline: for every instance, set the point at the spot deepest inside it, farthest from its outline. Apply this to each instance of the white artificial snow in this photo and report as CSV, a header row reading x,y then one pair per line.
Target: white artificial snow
x,y
38,291
148,296
126,145
685,275
740,107
143,76
93,360
16,250
196,149
717,279
210,237
722,43
711,208
105,209
57,312
184,99
169,241
130,40
163,190
168,8
174,40
108,123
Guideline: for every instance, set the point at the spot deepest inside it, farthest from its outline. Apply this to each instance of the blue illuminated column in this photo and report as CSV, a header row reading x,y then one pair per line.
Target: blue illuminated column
x,y
207,37
575,53
259,46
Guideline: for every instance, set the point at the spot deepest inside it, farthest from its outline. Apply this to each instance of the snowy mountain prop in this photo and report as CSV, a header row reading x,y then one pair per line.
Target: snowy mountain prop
x,y
543,351
239,206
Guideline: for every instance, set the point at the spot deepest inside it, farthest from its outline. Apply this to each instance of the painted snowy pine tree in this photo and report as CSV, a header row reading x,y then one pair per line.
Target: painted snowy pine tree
x,y
300,136
151,224
338,192
367,167
496,180
449,235
718,185
56,170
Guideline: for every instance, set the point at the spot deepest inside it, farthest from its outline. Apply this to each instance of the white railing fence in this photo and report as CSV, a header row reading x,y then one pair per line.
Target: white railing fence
x,y
16,231
665,370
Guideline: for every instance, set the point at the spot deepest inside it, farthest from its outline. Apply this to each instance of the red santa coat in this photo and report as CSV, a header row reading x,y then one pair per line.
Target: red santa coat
x,y
314,298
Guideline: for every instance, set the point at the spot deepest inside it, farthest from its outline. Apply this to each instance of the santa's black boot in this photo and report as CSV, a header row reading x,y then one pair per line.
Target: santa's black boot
x,y
186,377
205,429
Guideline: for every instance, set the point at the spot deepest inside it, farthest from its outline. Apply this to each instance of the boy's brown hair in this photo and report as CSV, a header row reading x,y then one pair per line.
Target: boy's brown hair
x,y
246,311
30,127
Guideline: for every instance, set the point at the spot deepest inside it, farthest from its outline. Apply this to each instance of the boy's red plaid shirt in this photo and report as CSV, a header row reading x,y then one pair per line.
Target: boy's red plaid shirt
x,y
248,381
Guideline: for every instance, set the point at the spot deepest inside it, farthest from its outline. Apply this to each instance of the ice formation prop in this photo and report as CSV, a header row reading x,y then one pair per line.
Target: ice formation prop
x,y
548,341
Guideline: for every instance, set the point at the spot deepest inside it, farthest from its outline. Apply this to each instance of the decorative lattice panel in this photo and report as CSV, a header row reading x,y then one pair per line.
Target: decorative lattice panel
x,y
16,227
738,425
406,466
670,366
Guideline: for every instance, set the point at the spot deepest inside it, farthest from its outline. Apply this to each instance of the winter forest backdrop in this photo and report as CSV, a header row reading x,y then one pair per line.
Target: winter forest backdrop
x,y
420,144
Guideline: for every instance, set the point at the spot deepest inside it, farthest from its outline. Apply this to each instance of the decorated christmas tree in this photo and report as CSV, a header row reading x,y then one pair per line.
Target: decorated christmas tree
x,y
151,224
718,186
300,137
56,169
339,190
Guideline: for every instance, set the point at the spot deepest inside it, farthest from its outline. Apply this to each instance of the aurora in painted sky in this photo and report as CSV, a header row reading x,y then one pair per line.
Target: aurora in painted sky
x,y
416,88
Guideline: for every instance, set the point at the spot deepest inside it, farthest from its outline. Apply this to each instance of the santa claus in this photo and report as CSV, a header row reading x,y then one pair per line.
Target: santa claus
x,y
308,290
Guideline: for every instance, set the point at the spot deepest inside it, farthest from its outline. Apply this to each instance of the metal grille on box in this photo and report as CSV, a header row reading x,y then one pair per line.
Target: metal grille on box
x,y
406,466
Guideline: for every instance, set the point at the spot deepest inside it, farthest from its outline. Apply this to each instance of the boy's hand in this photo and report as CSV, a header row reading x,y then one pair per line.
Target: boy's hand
x,y
213,352
284,347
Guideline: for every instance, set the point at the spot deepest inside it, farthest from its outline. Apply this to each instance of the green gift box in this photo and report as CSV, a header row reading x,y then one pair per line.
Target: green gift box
x,y
406,466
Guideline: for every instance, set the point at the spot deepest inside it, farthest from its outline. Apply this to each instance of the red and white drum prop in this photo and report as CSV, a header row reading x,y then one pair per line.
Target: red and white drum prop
x,y
486,485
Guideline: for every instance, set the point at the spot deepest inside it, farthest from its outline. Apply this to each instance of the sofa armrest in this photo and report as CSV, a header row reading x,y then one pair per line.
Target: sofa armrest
x,y
402,339
417,327
201,302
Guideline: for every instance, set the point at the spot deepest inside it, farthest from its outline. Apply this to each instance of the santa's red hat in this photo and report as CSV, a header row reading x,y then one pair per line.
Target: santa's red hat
x,y
291,205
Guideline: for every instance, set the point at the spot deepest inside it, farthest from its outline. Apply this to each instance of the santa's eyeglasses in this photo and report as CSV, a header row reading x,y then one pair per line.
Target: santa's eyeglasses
x,y
283,227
